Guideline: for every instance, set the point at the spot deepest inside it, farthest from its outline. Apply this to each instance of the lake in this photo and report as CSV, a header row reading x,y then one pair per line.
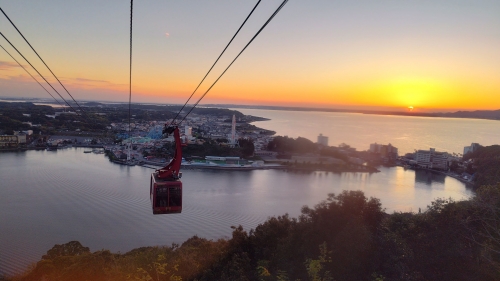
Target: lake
x,y
53,197
360,130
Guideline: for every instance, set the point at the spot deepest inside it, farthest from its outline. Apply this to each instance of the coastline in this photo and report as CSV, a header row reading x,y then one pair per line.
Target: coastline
x,y
467,182
478,114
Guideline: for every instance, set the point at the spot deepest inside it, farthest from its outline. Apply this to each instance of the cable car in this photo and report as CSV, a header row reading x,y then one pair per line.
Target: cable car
x,y
166,187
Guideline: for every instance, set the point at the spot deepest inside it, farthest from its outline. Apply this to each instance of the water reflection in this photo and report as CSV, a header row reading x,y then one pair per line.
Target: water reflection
x,y
428,177
70,195
359,130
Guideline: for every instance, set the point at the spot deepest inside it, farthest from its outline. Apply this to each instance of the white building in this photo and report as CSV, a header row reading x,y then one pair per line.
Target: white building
x,y
473,147
21,137
432,159
323,140
188,131
387,151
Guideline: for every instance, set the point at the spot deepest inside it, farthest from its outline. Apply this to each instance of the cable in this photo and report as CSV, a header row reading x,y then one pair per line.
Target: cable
x,y
258,32
42,60
173,120
37,71
130,81
32,76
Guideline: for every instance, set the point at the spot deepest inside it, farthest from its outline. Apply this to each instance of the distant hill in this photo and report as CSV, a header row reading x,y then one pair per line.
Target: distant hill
x,y
477,114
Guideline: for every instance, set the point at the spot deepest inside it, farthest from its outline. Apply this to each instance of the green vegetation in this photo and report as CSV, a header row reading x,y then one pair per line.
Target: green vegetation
x,y
12,118
346,237
213,148
290,145
97,116
485,165
300,145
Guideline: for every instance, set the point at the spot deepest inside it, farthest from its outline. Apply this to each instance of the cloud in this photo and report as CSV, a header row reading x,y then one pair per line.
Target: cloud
x,y
81,83
21,78
4,65
91,84
85,80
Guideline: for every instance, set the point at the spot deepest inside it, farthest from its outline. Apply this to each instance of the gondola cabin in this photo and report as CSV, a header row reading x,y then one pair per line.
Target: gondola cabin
x,y
165,195
165,188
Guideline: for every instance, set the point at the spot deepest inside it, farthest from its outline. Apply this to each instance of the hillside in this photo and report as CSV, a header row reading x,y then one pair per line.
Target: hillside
x,y
346,237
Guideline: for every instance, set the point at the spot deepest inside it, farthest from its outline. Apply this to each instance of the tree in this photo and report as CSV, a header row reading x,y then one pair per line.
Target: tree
x,y
290,145
72,248
483,223
247,147
455,167
315,268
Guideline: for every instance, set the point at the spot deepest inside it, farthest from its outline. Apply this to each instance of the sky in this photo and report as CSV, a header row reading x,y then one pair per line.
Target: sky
x,y
385,54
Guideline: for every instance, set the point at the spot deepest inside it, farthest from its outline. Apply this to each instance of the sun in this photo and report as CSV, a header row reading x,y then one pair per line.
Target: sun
x,y
410,108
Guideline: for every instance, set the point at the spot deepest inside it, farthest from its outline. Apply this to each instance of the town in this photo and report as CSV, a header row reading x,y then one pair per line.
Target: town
x,y
215,139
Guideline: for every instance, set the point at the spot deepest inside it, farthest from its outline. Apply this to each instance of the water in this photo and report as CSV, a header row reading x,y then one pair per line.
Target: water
x,y
53,197
36,102
359,130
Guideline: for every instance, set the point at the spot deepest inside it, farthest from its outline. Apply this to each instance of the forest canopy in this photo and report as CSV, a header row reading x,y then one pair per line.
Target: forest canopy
x,y
346,237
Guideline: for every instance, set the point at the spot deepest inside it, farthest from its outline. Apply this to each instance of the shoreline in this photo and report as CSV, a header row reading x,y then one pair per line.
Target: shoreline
x,y
467,182
493,115
477,114
152,165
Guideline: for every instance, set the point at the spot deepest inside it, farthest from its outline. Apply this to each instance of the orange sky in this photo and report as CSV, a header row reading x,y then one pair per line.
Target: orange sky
x,y
434,57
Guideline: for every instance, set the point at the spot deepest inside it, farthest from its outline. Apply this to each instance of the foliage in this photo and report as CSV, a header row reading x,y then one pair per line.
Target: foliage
x,y
71,261
334,152
290,145
247,147
73,248
486,165
346,237
210,148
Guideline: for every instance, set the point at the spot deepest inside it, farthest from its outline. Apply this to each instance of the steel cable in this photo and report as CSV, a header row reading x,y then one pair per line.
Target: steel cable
x,y
31,76
180,110
37,71
258,32
42,60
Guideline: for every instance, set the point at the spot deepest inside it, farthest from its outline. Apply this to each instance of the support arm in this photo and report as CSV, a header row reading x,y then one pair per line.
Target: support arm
x,y
171,171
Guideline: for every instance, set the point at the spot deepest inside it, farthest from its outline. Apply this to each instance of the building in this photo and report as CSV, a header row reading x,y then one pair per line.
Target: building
x,y
473,147
317,160
432,159
7,141
385,151
233,138
323,140
188,131
267,153
21,136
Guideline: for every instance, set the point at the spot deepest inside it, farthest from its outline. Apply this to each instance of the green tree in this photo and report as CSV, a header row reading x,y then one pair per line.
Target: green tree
x,y
247,147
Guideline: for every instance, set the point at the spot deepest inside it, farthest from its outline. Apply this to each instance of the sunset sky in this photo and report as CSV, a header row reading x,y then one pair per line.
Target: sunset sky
x,y
431,55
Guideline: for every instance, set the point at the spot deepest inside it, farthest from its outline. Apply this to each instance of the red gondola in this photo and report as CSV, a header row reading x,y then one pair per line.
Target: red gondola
x,y
165,186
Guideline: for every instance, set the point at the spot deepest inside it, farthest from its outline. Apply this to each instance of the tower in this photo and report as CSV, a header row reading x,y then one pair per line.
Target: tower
x,y
232,140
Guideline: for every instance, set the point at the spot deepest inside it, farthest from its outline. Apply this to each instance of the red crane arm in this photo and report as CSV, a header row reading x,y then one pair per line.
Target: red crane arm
x,y
171,171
